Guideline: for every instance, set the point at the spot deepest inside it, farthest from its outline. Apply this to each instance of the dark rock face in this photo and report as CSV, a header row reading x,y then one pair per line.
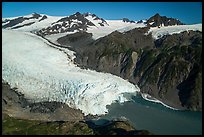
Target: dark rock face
x,y
6,20
34,16
44,107
13,22
112,53
44,17
141,21
35,107
28,24
77,40
169,69
19,20
127,20
157,21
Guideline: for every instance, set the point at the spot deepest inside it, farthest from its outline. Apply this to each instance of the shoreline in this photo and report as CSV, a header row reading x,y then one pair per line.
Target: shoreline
x,y
148,97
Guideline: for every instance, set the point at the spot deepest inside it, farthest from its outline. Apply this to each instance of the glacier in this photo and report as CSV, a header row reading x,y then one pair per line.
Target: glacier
x,y
43,73
169,30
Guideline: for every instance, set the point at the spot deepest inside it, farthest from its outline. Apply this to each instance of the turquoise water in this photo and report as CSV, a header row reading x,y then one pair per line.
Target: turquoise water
x,y
157,118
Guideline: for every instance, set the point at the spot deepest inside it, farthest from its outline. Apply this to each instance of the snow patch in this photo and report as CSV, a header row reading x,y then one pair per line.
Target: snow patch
x,y
151,23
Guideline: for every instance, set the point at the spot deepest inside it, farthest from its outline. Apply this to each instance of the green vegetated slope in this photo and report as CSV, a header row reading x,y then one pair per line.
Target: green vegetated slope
x,y
169,68
15,126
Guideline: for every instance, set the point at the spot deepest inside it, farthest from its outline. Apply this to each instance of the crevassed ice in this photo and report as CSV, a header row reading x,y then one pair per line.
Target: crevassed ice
x,y
43,73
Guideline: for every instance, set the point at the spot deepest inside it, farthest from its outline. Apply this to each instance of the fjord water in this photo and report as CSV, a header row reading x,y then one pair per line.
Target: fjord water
x,y
157,118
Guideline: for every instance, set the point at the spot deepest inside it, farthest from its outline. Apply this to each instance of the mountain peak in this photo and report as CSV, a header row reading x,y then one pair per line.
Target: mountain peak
x,y
35,15
157,14
87,14
75,22
77,13
94,17
90,14
157,21
127,20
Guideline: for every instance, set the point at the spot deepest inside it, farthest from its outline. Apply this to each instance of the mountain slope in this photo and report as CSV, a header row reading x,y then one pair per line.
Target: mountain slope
x,y
161,68
32,22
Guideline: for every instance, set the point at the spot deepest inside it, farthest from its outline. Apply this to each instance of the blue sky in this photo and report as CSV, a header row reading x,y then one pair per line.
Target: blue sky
x,y
186,12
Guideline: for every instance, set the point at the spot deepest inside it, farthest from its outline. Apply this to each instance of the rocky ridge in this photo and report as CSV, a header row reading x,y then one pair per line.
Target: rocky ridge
x,y
14,23
158,21
75,22
161,68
